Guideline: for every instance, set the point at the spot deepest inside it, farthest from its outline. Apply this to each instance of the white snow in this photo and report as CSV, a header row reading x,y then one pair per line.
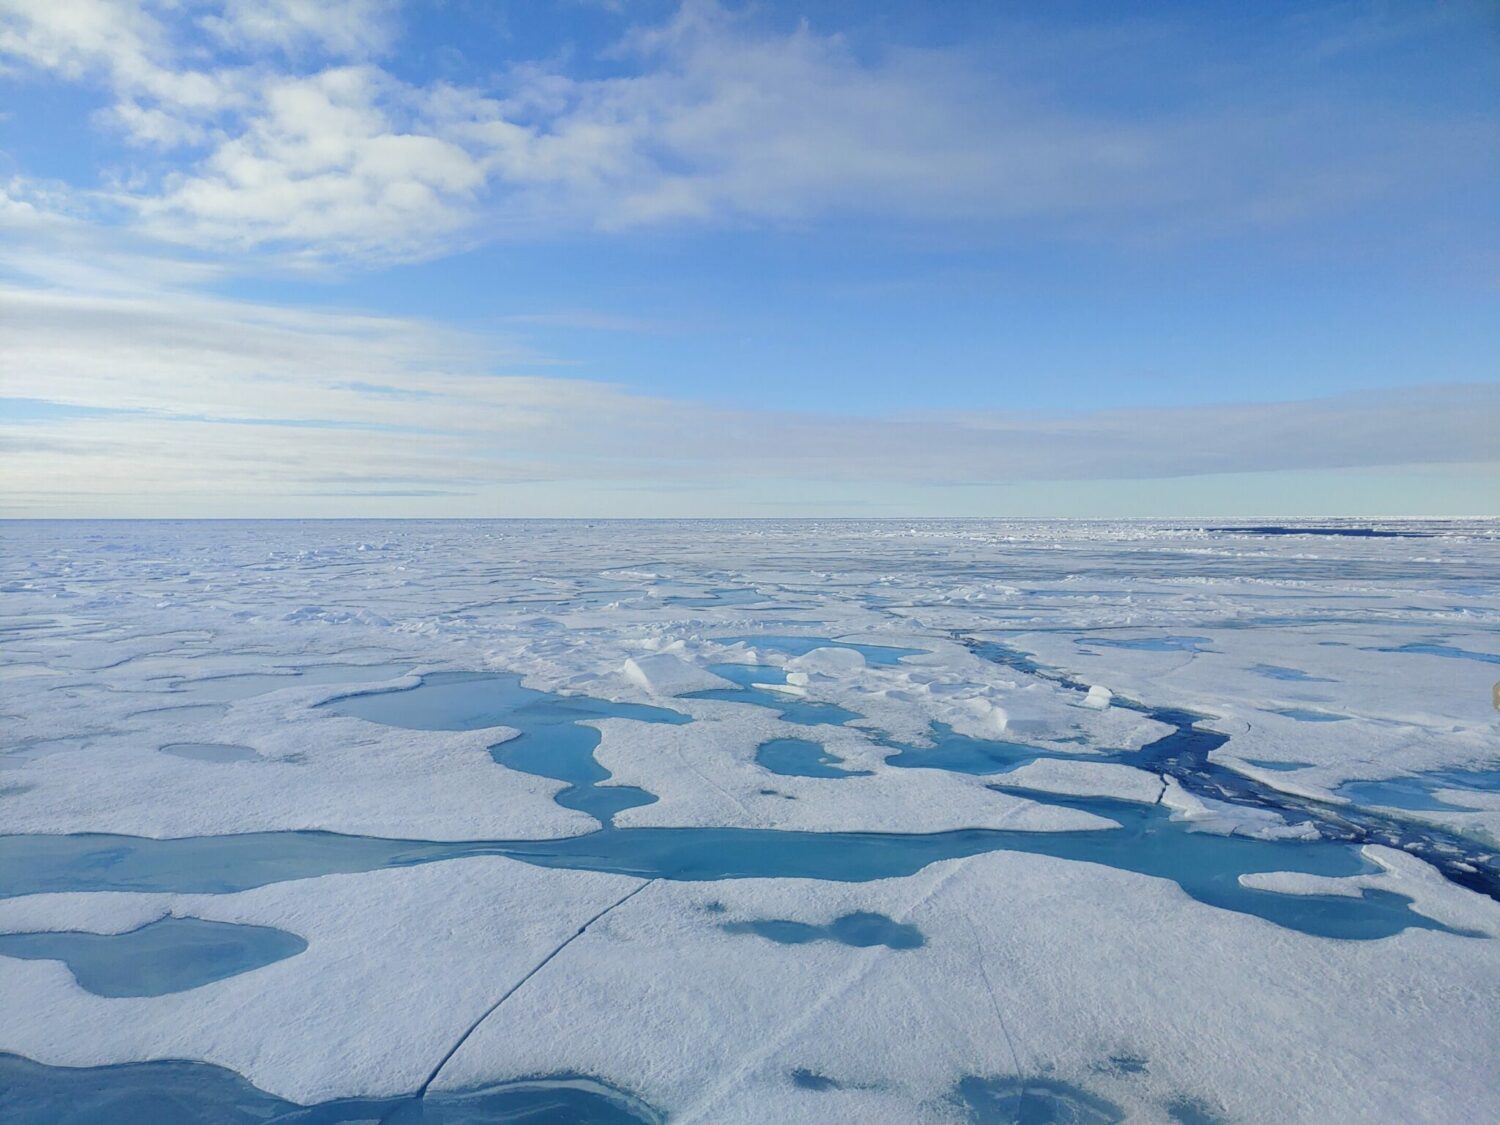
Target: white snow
x,y
668,675
1032,966
1098,697
362,1010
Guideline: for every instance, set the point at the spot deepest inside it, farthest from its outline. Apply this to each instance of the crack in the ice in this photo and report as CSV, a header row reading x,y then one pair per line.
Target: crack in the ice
x,y
421,1091
1010,1043
1461,860
989,986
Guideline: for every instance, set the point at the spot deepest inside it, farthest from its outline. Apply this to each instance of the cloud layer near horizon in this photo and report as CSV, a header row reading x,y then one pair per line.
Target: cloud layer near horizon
x,y
188,395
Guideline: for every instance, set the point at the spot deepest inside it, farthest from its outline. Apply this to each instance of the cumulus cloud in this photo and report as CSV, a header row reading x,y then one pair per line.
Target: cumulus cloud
x,y
295,138
326,164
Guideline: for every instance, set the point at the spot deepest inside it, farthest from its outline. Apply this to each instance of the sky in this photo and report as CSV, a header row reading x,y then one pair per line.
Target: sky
x,y
322,258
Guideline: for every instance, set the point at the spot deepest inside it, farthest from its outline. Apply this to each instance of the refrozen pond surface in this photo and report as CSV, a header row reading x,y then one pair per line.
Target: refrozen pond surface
x,y
1279,767
225,689
1308,715
1291,675
904,866
210,751
168,955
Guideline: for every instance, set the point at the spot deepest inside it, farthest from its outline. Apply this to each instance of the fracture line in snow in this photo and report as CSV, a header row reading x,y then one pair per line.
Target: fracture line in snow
x,y
513,989
861,966
1015,1056
989,986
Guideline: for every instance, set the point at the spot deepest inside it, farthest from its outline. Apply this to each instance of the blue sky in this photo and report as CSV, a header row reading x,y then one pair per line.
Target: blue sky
x,y
290,257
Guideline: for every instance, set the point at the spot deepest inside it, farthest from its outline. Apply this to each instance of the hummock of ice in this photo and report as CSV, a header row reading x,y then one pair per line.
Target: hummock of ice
x,y
665,674
1098,697
1071,975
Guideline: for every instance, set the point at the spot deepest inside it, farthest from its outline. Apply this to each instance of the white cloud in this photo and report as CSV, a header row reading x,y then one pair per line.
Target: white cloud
x,y
717,121
86,36
124,42
17,211
188,395
344,28
324,165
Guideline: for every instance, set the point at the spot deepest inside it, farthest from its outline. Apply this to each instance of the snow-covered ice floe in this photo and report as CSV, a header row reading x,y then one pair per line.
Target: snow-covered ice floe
x,y
749,821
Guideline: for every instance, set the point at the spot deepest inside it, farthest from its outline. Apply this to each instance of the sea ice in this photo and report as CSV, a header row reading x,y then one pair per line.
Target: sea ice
x,y
1253,878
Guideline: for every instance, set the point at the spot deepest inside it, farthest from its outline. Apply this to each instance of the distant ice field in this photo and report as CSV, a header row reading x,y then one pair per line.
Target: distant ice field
x,y
880,821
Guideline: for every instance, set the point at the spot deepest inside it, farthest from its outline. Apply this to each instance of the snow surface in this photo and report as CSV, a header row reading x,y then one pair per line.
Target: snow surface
x,y
1115,983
